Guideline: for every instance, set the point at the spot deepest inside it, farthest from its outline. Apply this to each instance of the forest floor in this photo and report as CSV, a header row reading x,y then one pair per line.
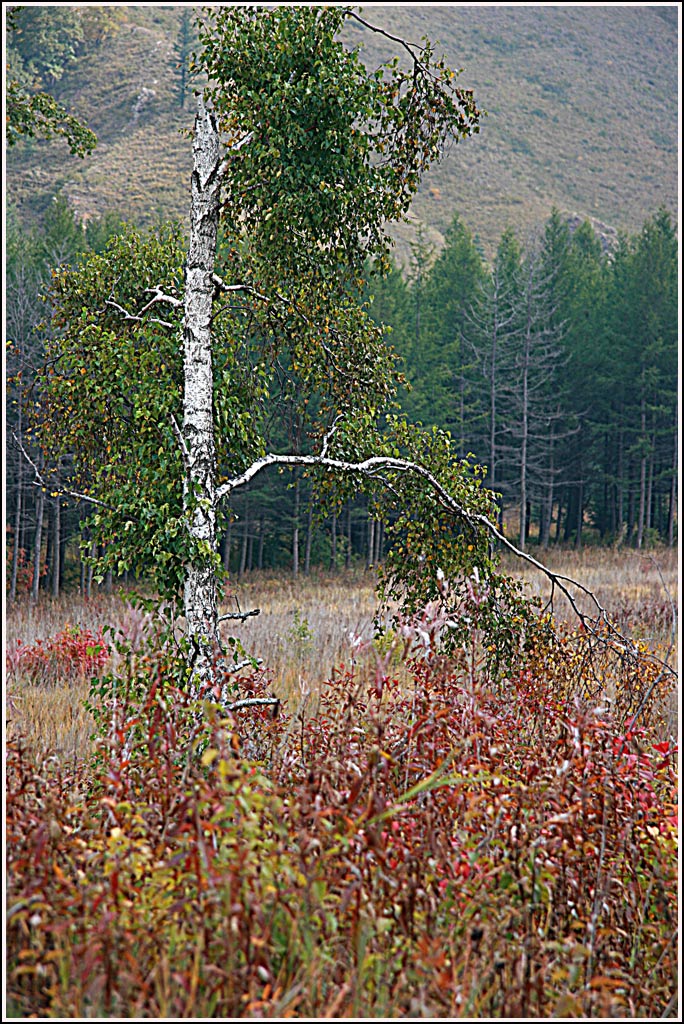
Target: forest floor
x,y
308,626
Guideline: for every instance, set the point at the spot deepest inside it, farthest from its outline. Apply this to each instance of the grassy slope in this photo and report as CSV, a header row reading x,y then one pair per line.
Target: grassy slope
x,y
581,101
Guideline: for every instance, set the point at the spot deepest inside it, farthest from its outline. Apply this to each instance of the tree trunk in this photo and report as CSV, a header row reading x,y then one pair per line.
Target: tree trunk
x,y
56,546
371,542
642,477
245,544
225,552
379,538
48,530
651,472
309,539
524,430
37,545
620,484
262,537
546,513
580,516
333,544
673,487
295,532
348,552
200,598
16,539
89,577
63,542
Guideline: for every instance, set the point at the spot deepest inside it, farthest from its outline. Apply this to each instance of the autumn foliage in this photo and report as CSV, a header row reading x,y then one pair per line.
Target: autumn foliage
x,y
71,654
419,839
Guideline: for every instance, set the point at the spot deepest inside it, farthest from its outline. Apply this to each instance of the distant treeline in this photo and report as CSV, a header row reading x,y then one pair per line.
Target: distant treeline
x,y
555,367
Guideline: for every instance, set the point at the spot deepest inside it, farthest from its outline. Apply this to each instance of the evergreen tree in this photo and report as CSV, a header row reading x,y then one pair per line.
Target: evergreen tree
x,y
439,365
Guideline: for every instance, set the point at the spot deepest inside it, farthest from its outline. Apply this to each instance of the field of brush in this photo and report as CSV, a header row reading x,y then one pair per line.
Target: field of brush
x,y
308,626
410,836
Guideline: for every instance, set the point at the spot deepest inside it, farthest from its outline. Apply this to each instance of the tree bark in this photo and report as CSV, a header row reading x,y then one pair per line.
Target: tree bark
x,y
56,546
262,538
642,477
244,547
379,538
580,516
16,539
37,545
309,538
200,598
673,487
225,553
348,552
371,542
333,543
295,531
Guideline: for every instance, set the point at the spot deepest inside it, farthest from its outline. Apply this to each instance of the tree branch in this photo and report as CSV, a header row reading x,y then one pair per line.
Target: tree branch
x,y
157,296
240,616
374,466
250,702
181,441
65,491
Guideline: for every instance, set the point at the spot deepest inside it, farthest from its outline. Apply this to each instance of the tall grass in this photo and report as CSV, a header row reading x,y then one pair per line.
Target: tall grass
x,y
308,626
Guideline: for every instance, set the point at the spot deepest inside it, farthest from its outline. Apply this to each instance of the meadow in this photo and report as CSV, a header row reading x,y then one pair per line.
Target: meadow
x,y
308,626
411,835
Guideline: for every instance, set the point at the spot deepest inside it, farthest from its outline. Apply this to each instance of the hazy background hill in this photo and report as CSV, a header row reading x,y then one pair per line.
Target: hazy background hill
x,y
582,109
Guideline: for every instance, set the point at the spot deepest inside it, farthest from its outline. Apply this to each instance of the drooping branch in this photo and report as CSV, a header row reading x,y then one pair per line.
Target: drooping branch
x,y
375,466
412,49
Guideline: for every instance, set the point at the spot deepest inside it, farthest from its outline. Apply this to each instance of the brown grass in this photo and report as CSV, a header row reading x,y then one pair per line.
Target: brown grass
x,y
306,627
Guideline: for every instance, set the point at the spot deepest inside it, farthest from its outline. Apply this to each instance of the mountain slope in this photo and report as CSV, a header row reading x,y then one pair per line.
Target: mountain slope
x,y
582,109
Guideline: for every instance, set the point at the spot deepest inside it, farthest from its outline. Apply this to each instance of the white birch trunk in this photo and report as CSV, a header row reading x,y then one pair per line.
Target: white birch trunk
x,y
200,599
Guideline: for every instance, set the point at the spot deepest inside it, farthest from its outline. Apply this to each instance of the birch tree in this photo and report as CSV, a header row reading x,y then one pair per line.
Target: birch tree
x,y
302,157
165,361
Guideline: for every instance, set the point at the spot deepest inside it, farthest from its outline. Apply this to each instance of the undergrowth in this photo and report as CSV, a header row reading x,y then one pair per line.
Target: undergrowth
x,y
422,837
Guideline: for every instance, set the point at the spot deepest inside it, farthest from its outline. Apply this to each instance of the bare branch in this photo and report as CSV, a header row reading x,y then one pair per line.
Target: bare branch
x,y
239,665
63,491
157,296
329,436
250,702
240,616
181,440
235,148
409,47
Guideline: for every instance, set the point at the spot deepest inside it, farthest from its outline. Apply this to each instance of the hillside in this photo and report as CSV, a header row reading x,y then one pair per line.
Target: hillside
x,y
582,114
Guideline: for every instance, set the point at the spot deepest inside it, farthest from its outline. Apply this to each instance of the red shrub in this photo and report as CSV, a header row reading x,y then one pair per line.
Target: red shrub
x,y
74,654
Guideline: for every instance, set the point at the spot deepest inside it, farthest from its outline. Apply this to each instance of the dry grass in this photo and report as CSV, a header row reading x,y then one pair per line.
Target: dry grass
x,y
307,626
638,589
